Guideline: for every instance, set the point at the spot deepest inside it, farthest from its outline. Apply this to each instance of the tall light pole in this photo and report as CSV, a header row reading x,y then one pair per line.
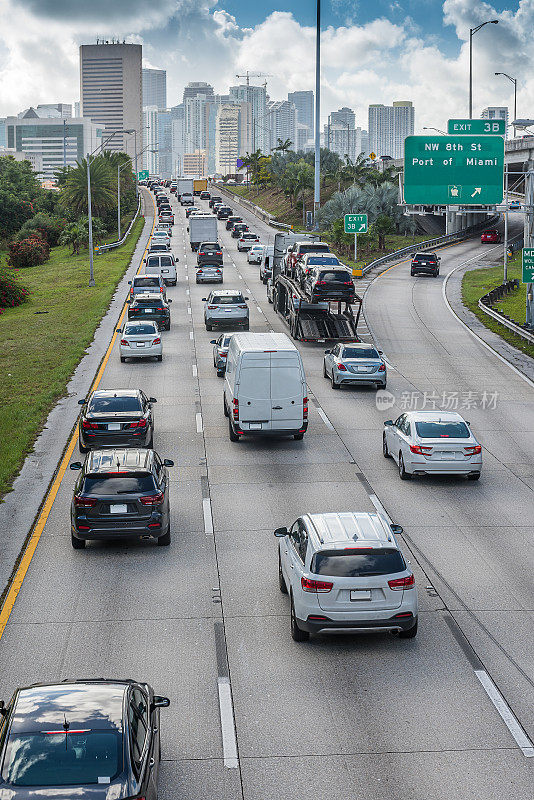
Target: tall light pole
x,y
514,81
317,182
472,32
434,129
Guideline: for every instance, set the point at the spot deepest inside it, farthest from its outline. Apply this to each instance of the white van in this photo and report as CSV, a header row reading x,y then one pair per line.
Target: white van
x,y
265,387
163,264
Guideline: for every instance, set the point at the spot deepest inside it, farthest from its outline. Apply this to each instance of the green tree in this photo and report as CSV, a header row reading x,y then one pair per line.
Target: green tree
x,y
73,235
103,187
283,145
381,227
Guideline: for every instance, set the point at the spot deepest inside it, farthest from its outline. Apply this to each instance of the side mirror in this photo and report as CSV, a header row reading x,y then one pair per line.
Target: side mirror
x,y
168,462
144,260
129,283
76,465
152,400
389,422
281,532
81,402
380,352
397,529
160,702
214,341
169,300
326,352
118,330
204,299
128,300
246,298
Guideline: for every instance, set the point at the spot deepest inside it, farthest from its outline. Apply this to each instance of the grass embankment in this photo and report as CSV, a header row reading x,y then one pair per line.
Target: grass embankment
x,y
44,340
478,282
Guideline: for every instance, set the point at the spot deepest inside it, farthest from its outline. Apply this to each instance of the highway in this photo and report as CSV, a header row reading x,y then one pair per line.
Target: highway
x,y
363,717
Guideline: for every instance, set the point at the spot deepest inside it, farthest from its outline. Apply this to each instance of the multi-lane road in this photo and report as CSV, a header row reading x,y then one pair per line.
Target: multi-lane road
x,y
363,717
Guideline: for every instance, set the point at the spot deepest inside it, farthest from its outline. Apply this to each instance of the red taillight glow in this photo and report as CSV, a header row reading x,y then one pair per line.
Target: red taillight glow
x,y
141,423
235,409
125,342
157,341
240,306
420,449
152,500
87,426
309,585
398,584
84,502
305,408
382,368
473,450
320,283
212,307
223,355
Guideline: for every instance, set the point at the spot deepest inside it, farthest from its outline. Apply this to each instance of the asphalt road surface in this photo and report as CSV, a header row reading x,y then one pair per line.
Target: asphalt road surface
x,y
363,717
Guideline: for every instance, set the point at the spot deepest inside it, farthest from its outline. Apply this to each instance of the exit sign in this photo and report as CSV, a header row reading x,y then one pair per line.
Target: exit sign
x,y
355,223
528,265
477,127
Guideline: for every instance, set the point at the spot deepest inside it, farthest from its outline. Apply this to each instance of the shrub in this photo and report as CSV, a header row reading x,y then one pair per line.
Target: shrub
x,y
49,226
28,253
12,291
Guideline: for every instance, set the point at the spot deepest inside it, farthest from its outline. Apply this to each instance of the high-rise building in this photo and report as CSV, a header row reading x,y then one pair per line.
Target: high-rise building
x,y
303,102
2,131
389,126
346,141
178,148
260,136
227,126
343,116
111,91
150,139
155,88
77,109
282,123
195,88
54,110
496,112
194,164
303,136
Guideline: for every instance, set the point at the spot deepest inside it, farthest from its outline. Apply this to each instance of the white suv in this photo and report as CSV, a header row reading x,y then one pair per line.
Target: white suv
x,y
346,570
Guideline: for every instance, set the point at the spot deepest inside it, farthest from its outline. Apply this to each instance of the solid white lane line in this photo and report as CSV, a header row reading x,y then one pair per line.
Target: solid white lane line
x,y
379,507
506,713
226,711
208,520
325,419
200,426
195,370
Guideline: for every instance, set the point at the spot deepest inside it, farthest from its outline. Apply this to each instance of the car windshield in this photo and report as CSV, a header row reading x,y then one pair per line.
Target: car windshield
x,y
59,759
335,275
357,563
323,260
137,330
146,281
113,403
354,352
442,430
128,483
228,299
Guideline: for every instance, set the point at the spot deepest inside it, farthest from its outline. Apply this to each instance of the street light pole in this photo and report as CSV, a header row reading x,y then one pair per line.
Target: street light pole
x,y
317,181
434,129
472,31
514,81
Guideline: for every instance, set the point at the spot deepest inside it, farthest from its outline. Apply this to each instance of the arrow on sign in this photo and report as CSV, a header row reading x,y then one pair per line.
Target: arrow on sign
x,y
478,189
363,226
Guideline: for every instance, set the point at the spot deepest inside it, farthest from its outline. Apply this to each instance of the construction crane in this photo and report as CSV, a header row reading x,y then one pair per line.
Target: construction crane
x,y
248,75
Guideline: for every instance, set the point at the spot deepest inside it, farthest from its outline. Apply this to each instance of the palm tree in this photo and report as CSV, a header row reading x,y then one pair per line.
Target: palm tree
x,y
283,146
103,191
358,171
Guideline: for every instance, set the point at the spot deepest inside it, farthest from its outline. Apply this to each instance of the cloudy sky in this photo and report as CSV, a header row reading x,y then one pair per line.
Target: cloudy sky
x,y
373,51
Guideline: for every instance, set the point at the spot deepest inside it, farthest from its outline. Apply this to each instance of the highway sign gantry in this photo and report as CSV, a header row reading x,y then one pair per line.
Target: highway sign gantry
x,y
477,127
453,170
355,223
528,264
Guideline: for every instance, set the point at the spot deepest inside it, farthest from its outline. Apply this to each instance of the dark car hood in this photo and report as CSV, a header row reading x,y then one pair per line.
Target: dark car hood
x,y
112,791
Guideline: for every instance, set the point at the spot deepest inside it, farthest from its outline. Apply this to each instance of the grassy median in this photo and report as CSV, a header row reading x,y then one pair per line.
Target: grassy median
x,y
44,340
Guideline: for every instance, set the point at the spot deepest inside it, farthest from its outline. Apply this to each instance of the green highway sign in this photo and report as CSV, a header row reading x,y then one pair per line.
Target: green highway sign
x,y
143,175
477,127
453,170
528,265
355,223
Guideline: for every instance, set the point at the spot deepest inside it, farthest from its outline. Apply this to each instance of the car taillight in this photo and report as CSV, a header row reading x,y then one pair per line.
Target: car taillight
x,y
382,368
473,450
223,355
235,409
152,500
398,584
84,502
141,423
157,341
212,307
159,309
239,306
320,283
218,253
309,585
202,253
420,449
125,342
305,408
88,426
342,367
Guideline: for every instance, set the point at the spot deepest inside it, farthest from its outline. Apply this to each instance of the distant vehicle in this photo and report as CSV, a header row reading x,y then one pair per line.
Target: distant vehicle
x,y
231,221
115,418
202,228
147,283
226,307
164,265
157,246
254,254
189,210
184,185
215,198
266,264
220,352
432,443
425,263
187,199
121,493
163,236
356,362
209,273
491,236
200,185
238,229
166,217
164,226
224,212
209,253
246,240
346,570
61,760
140,340
515,205
205,195
151,306
329,283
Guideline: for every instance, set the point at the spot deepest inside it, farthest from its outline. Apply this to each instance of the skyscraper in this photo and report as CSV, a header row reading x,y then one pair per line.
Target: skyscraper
x,y
150,139
344,116
257,97
389,126
228,124
197,87
303,102
282,123
155,88
54,110
111,91
496,112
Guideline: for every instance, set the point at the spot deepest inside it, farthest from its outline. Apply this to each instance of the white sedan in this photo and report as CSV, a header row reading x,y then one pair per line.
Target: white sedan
x,y
432,443
140,340
255,254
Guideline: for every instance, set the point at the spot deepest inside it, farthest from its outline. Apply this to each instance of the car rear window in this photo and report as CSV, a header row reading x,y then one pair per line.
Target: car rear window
x,y
322,260
228,299
135,330
59,759
442,430
209,246
357,563
314,248
353,352
146,301
149,281
164,261
335,275
129,483
101,405
158,247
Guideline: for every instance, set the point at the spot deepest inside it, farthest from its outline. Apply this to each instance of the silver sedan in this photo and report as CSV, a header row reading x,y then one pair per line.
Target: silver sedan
x,y
357,362
220,352
140,340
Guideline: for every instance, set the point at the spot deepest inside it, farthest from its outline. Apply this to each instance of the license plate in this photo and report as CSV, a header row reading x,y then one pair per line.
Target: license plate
x,y
140,344
254,426
360,594
227,310
114,426
148,310
120,508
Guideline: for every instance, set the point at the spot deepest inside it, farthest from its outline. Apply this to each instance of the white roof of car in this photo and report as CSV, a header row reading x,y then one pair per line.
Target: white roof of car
x,y
335,529
261,342
435,416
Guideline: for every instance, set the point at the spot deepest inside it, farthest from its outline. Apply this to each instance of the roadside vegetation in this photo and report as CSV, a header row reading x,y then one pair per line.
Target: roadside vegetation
x,y
48,313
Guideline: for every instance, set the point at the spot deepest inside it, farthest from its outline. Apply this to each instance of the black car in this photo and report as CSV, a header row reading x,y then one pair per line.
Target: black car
x,y
224,212
209,253
329,283
425,263
151,306
116,418
205,195
238,229
161,198
165,208
121,493
92,738
215,198
231,221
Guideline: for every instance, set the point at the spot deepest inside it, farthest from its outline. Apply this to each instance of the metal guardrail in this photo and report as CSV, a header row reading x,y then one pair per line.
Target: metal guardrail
x,y
431,243
103,247
256,210
502,319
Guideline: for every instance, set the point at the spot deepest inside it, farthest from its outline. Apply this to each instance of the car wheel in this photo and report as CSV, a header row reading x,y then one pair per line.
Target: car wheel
x,y
297,634
123,359
226,413
78,544
150,444
403,475
81,448
411,633
325,374
165,540
385,450
474,476
159,358
209,327
412,273
281,579
220,373
234,437
269,300
381,385
298,436
334,384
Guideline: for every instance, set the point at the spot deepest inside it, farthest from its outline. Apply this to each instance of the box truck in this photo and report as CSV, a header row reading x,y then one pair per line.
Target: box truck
x,y
200,185
202,228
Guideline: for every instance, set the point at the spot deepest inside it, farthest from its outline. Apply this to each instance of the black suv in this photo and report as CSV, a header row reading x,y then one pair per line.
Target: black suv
x,y
224,212
116,418
238,229
209,253
231,221
151,306
425,263
215,198
323,283
121,493
205,195
98,731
